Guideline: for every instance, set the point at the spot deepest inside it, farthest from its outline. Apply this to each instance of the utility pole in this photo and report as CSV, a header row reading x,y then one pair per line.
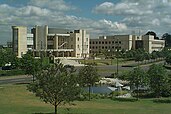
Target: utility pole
x,y
117,56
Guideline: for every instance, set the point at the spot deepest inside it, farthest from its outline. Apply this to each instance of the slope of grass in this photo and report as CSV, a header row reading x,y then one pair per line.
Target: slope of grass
x,y
15,99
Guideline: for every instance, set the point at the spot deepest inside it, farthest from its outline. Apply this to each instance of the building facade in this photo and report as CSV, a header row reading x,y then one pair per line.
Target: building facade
x,y
126,42
112,43
19,40
61,42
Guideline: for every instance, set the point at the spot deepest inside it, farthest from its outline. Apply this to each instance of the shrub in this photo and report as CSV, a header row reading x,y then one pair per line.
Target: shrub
x,y
125,99
11,72
162,100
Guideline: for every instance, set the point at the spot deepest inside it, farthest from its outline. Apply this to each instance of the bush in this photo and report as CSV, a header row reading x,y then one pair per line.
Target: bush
x,y
11,72
162,100
125,99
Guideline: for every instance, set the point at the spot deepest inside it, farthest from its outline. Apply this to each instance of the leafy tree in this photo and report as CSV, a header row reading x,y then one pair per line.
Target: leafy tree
x,y
168,59
30,65
153,34
7,56
167,38
137,78
56,85
154,55
159,80
139,57
147,56
88,76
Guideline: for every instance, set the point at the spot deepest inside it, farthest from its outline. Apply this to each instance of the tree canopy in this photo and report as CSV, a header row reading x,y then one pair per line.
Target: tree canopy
x,y
55,85
88,76
159,80
153,34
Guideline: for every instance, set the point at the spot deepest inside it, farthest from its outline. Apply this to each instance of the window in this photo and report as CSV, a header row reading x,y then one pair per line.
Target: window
x,y
78,39
78,46
109,42
90,42
112,42
96,47
102,42
96,42
93,42
99,42
106,42
102,47
87,39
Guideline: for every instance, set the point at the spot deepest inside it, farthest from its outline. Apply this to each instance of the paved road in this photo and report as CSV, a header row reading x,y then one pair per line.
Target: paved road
x,y
26,79
16,80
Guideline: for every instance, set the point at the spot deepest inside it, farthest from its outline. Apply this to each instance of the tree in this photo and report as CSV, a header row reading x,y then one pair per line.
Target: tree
x,y
30,65
88,76
153,34
168,59
55,85
159,80
167,38
8,56
137,78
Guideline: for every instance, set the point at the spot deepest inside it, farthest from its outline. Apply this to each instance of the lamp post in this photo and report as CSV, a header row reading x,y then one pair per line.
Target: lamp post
x,y
117,49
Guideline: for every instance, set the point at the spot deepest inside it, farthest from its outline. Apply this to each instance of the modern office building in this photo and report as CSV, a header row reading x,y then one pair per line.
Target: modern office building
x,y
19,40
60,42
126,42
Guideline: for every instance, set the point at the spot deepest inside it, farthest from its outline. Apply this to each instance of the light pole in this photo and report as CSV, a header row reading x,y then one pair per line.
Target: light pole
x,y
117,49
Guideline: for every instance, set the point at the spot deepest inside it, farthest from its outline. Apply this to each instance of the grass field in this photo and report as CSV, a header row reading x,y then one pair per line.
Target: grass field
x,y
15,99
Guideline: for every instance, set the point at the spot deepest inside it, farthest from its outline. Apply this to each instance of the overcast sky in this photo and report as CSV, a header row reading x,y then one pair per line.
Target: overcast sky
x,y
98,17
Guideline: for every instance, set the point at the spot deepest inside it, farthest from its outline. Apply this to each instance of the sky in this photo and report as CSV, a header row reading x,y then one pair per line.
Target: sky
x,y
98,17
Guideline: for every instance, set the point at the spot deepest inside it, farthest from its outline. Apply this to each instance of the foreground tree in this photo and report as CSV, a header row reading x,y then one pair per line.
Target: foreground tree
x,y
88,76
137,78
159,80
55,85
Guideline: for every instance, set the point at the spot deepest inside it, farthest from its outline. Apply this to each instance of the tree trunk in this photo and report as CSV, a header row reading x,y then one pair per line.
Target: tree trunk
x,y
89,91
56,109
137,93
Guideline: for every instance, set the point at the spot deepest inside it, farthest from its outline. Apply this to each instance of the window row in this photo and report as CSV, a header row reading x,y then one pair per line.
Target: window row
x,y
105,42
105,47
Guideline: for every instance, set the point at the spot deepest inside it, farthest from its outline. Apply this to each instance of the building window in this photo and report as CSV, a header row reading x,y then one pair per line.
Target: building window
x,y
109,42
93,47
105,47
102,47
87,39
96,42
93,42
96,47
106,42
78,46
99,42
78,39
102,42
90,42
112,42
119,42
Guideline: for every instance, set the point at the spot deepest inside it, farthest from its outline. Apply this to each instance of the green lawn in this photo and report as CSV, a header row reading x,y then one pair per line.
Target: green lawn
x,y
15,99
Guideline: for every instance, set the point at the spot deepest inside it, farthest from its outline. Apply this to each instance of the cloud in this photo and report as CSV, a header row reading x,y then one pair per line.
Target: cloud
x,y
59,5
